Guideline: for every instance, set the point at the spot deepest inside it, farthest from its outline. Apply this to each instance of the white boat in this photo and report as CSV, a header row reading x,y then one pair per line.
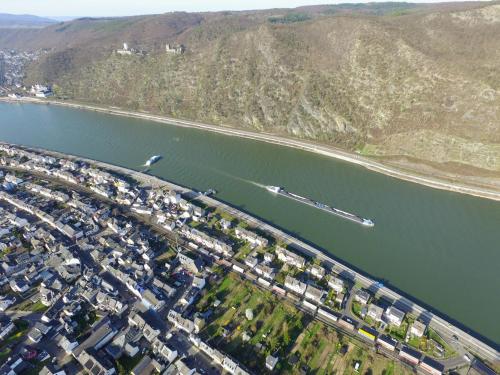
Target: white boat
x,y
368,223
273,189
152,160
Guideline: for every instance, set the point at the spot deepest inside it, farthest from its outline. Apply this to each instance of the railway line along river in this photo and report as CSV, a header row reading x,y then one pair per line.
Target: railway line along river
x,y
439,247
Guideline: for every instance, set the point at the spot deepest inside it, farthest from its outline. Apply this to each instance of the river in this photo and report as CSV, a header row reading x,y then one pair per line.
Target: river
x,y
440,247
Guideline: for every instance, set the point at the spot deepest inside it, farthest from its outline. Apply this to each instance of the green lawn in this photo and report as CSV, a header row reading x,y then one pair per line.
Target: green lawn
x,y
275,325
125,364
15,336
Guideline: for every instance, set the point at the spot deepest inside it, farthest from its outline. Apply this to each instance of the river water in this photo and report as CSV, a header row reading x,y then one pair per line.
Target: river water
x,y
440,247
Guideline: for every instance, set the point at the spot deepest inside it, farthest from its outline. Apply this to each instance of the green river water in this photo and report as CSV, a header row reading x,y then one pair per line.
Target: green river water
x,y
442,248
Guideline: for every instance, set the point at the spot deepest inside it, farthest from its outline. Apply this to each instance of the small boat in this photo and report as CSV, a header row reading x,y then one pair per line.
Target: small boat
x,y
273,189
152,160
210,192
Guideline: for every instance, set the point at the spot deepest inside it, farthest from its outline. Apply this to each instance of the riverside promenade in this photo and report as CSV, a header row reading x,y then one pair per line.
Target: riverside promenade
x,y
462,341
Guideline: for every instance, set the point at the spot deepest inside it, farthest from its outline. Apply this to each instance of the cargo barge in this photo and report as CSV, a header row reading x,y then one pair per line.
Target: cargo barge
x,y
335,211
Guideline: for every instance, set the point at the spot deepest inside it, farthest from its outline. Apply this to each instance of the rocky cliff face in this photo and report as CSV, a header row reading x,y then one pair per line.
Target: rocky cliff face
x,y
422,83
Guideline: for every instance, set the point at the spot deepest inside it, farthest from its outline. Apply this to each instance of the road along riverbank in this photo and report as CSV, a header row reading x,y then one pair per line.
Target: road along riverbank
x,y
288,142
448,331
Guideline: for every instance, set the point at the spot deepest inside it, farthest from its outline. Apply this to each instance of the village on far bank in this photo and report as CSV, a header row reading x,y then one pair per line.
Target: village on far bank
x,y
104,272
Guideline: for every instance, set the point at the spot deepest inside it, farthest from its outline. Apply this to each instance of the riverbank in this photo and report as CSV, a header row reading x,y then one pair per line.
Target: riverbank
x,y
446,328
288,142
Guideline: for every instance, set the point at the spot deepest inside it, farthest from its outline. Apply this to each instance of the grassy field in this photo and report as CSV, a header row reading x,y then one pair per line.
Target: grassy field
x,y
280,329
317,349
273,329
125,364
15,337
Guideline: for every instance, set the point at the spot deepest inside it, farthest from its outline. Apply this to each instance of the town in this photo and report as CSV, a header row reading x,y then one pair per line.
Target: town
x,y
12,68
109,271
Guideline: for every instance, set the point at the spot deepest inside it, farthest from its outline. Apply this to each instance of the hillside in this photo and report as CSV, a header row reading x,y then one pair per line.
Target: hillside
x,y
417,85
23,21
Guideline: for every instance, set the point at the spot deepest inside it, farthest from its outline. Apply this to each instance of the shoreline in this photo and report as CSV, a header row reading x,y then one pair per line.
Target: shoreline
x,y
308,146
486,348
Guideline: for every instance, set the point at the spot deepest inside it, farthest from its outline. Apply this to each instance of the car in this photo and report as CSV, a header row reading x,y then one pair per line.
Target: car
x,y
467,358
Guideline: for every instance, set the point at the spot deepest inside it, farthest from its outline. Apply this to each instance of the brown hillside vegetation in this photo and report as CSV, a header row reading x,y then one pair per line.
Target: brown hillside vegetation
x,y
409,83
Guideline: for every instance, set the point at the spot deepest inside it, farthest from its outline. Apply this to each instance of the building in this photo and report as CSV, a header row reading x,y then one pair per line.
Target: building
x,y
147,366
175,49
410,356
336,284
96,363
271,362
191,263
317,271
387,342
431,366
417,329
375,312
124,51
314,294
290,258
265,271
181,323
6,327
295,285
394,316
253,238
362,296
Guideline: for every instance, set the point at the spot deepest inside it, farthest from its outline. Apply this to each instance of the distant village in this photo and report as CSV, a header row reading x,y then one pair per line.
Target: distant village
x,y
98,268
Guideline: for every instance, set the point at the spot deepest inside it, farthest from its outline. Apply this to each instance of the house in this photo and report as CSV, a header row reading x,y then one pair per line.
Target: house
x,y
6,327
165,288
339,298
268,257
295,285
47,296
314,294
375,312
271,362
394,316
181,323
191,263
238,267
19,285
253,238
147,366
198,282
362,296
251,261
317,271
51,369
164,350
6,302
417,329
102,333
225,224
96,363
125,342
35,335
265,271
290,258
336,284
180,368
151,300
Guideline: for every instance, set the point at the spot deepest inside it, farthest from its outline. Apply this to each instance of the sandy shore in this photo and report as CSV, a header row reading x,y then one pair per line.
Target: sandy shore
x,y
298,144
